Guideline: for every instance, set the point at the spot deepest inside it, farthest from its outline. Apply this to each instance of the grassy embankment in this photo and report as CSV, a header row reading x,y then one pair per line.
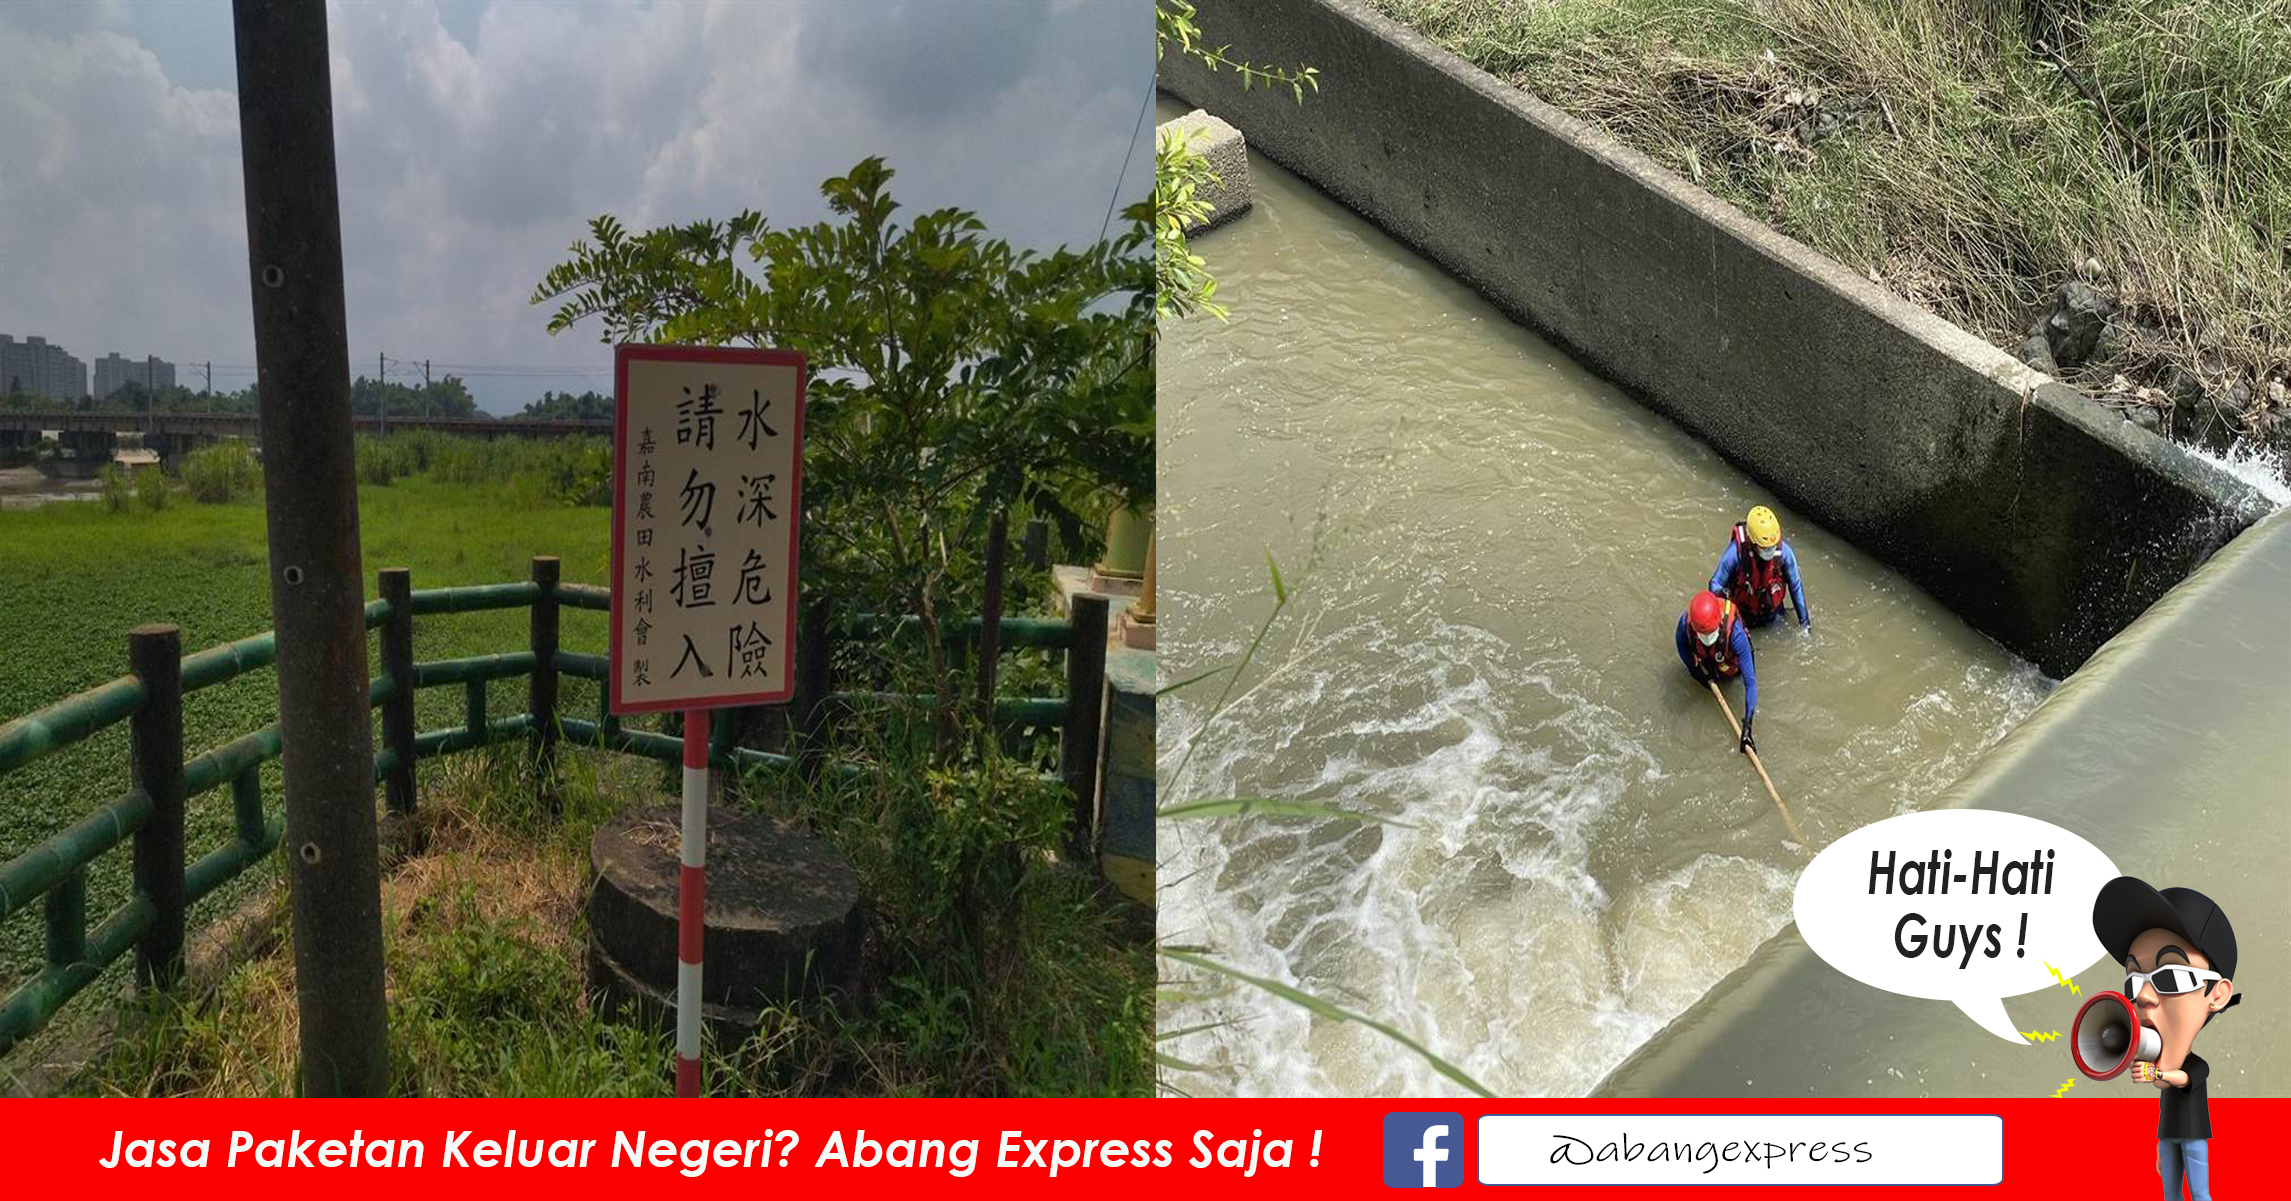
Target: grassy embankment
x,y
483,940
1937,147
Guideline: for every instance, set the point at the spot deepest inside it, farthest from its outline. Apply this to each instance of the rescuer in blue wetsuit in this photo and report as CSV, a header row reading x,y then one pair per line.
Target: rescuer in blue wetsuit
x,y
1758,569
1714,646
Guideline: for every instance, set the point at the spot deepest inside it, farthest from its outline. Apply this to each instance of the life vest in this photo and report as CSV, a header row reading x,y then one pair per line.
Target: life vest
x,y
1759,584
1716,659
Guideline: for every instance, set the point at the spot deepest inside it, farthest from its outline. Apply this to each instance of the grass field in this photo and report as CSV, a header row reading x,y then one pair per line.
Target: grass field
x,y
482,929
1972,155
74,578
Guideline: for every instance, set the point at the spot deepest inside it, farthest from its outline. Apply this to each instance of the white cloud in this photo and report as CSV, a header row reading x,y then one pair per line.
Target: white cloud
x,y
466,169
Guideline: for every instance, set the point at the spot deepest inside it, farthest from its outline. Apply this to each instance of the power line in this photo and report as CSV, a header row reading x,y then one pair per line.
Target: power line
x,y
1127,151
399,367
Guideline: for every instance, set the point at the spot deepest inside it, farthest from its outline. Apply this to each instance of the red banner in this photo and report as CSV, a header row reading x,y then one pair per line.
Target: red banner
x,y
1100,1148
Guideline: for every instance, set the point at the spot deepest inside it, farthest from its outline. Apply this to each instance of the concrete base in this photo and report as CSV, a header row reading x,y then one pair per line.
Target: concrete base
x,y
621,997
1126,767
1134,634
1067,580
782,910
2041,518
1228,155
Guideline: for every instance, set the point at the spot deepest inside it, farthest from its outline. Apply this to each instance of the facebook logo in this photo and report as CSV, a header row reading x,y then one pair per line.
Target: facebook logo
x,y
1423,1150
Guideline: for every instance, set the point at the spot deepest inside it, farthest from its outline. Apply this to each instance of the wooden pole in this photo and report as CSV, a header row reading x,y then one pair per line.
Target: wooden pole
x,y
990,621
1736,726
396,585
1085,707
807,720
541,689
155,655
294,255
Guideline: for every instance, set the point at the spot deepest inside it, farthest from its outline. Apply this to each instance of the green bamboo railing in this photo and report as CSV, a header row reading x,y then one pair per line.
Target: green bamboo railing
x,y
55,871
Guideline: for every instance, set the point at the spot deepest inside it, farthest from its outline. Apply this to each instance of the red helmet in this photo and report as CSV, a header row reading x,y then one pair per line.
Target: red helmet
x,y
1704,612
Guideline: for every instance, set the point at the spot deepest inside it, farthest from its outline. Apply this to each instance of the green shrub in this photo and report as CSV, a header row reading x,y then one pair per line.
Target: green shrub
x,y
377,462
560,471
222,472
151,488
116,490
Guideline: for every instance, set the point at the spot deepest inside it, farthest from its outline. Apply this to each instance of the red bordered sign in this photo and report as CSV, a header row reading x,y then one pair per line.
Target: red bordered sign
x,y
707,496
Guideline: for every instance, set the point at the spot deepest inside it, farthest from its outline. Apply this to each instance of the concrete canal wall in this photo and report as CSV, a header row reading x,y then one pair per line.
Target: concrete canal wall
x,y
2044,520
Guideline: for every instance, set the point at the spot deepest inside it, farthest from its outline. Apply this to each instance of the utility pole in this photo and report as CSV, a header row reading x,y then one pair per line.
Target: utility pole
x,y
210,391
317,588
427,399
381,397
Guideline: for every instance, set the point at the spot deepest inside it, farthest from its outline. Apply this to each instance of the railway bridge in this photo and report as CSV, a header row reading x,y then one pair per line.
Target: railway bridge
x,y
94,437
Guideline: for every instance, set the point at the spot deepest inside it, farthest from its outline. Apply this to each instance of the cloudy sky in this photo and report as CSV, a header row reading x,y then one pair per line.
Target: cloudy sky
x,y
475,138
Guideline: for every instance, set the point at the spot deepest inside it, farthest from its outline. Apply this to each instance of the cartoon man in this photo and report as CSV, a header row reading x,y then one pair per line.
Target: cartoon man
x,y
2178,952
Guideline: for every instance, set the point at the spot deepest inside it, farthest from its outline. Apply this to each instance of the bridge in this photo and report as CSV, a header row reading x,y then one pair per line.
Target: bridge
x,y
96,435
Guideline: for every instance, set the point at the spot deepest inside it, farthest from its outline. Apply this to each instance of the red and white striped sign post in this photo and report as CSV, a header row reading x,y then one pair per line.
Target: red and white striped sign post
x,y
691,902
707,486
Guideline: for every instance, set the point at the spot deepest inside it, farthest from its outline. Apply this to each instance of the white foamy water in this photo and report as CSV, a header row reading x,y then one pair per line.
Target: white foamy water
x,y
1487,550
2254,464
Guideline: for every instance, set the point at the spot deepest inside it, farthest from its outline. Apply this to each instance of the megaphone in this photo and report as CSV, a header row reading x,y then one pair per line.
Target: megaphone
x,y
2108,1037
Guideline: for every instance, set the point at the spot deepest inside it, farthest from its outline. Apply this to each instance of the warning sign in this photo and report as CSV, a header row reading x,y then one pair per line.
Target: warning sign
x,y
707,481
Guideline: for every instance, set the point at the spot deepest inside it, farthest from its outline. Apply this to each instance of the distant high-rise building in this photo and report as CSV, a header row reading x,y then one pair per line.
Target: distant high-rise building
x,y
34,367
112,372
18,374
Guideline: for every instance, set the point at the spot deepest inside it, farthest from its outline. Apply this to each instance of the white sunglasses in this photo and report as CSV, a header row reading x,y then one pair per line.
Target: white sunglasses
x,y
2170,981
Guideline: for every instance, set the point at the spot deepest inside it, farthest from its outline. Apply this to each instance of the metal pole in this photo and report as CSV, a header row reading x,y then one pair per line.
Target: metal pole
x,y
1141,613
691,902
302,358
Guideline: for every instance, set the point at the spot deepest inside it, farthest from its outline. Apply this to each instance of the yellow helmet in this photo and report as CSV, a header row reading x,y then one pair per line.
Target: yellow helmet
x,y
1764,530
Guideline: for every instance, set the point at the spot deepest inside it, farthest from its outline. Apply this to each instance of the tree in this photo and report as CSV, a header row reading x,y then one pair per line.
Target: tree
x,y
448,397
1183,284
951,376
564,406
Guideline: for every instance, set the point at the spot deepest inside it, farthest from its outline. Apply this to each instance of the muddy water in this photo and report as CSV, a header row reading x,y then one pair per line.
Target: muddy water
x,y
1487,549
2166,751
29,488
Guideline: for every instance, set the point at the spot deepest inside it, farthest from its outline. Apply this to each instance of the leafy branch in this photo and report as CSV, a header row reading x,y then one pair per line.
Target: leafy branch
x,y
1183,283
1173,22
951,374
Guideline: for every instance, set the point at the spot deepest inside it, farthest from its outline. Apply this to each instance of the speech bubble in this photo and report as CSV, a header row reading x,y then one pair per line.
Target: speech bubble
x,y
1895,903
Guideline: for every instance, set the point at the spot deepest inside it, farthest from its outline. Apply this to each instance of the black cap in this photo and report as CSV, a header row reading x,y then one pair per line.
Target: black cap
x,y
2127,908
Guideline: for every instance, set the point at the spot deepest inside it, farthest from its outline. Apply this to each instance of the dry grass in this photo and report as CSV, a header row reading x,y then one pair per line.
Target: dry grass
x,y
517,885
1935,147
